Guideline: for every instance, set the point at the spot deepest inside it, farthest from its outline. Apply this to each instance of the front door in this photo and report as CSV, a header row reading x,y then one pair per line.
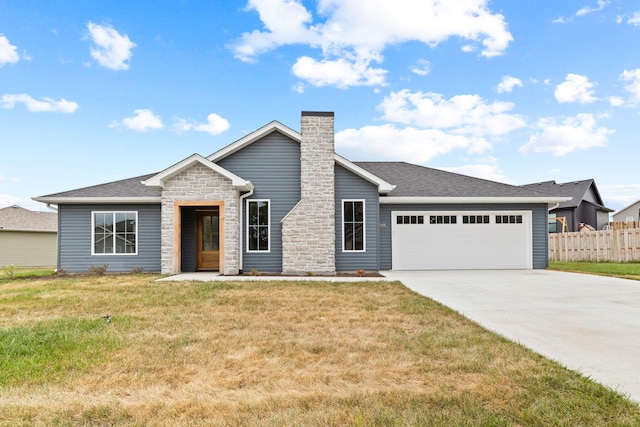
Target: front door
x,y
208,240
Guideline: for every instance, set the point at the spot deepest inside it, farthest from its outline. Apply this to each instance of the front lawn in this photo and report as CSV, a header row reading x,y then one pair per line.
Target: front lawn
x,y
271,354
625,270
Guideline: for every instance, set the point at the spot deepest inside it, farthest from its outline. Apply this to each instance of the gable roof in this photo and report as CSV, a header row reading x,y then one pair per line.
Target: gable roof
x,y
421,184
16,218
576,190
158,180
275,126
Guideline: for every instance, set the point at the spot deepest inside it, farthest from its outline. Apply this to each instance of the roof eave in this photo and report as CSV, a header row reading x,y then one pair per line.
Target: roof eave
x,y
97,200
383,186
468,200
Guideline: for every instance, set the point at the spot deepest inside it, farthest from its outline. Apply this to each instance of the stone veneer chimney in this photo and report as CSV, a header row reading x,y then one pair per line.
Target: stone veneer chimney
x,y
308,230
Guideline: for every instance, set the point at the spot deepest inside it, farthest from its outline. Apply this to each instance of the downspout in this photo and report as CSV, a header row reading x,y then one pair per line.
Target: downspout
x,y
240,222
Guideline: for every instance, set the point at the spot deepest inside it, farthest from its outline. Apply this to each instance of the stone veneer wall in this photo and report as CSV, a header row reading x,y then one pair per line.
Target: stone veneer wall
x,y
308,230
199,183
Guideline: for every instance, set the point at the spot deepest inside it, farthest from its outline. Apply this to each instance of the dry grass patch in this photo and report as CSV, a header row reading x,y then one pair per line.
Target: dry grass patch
x,y
272,353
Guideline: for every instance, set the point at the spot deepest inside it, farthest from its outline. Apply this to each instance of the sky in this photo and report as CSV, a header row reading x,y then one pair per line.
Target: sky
x,y
513,91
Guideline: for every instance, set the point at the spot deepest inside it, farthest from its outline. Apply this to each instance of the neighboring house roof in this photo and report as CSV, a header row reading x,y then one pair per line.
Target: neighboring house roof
x,y
630,205
15,218
410,180
577,190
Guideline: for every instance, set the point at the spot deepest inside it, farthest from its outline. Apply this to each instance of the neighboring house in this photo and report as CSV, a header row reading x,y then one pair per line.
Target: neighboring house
x,y
281,201
630,213
27,238
585,206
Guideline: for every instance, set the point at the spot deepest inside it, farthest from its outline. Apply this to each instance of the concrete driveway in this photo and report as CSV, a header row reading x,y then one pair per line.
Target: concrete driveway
x,y
587,323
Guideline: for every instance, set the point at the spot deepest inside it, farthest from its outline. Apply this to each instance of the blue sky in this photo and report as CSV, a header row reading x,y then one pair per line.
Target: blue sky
x,y
513,91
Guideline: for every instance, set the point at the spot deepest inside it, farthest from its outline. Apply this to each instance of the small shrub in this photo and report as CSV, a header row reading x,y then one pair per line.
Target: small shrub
x,y
98,270
137,270
9,271
309,273
361,273
254,272
61,272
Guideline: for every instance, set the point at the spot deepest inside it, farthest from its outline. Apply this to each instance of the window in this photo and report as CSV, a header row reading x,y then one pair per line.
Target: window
x,y
443,219
258,219
475,219
410,219
552,223
115,233
353,225
508,219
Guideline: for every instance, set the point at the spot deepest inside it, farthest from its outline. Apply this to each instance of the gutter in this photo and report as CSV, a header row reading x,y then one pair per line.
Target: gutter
x,y
470,200
240,220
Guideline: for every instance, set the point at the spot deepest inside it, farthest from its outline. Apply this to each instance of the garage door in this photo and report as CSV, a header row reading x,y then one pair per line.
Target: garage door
x,y
424,240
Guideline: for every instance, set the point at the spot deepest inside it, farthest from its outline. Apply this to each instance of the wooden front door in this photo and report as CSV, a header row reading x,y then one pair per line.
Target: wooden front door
x,y
208,240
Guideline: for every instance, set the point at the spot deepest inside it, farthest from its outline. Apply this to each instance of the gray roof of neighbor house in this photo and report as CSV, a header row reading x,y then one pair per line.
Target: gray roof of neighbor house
x,y
574,189
18,218
130,188
421,181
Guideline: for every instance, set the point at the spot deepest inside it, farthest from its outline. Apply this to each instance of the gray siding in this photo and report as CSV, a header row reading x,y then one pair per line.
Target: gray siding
x,y
188,244
272,164
74,239
351,186
539,221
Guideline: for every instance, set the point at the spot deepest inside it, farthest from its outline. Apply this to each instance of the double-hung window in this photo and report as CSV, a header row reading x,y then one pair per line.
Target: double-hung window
x,y
258,228
114,233
353,231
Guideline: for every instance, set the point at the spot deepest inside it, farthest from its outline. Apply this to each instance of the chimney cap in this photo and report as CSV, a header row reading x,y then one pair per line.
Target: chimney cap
x,y
318,113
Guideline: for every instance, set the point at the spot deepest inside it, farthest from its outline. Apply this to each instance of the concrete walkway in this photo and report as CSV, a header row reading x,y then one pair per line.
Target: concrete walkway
x,y
587,323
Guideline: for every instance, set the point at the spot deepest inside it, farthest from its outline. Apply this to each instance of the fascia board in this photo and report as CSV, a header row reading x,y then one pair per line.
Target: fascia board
x,y
470,200
86,200
383,186
252,137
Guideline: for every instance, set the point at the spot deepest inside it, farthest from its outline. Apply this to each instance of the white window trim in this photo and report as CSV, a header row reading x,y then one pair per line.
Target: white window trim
x,y
93,235
364,226
258,251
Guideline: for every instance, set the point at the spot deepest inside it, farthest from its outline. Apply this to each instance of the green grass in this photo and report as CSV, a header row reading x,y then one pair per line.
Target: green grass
x,y
271,354
625,270
11,272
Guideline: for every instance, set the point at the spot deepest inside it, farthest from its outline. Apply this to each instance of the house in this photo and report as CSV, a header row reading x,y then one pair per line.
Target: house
x,y
278,200
585,206
28,238
630,213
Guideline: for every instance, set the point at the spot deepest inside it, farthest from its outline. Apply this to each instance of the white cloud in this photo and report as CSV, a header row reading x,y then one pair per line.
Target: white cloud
x,y
572,134
616,101
633,87
215,125
8,53
488,171
8,200
358,31
461,114
508,83
340,72
391,143
634,19
9,101
142,121
421,68
575,88
111,50
587,9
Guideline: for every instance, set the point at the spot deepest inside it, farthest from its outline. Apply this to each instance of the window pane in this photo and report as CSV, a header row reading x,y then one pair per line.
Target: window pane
x,y
263,213
348,236
348,211
358,237
264,238
358,214
253,238
253,213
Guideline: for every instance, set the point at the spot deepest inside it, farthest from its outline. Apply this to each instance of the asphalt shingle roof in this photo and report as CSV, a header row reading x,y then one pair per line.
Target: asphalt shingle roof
x,y
421,181
130,187
17,218
574,189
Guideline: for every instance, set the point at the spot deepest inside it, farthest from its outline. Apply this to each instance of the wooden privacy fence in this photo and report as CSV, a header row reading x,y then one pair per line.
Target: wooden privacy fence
x,y
618,245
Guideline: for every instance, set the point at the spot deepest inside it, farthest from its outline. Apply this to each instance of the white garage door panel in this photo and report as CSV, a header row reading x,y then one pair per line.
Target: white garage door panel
x,y
461,246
